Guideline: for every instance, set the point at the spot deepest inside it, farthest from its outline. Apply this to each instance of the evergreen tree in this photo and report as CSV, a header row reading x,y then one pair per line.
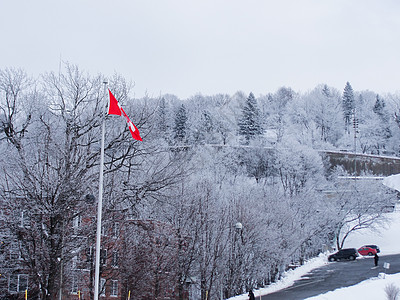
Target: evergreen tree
x,y
162,120
383,131
162,116
379,106
325,91
348,106
180,127
249,123
207,122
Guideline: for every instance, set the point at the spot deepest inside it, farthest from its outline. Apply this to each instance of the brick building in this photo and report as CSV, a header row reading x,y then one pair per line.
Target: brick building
x,y
139,258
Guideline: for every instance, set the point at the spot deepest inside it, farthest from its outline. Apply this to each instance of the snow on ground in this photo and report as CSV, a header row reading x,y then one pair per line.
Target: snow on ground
x,y
373,288
392,182
387,238
288,278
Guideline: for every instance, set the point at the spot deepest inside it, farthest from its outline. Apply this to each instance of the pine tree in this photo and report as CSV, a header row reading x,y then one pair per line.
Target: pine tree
x,y
379,106
162,121
383,130
162,116
180,127
325,91
348,105
249,123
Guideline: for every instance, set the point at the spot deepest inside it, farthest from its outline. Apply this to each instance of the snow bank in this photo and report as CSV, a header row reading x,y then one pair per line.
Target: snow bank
x,y
370,289
288,277
392,182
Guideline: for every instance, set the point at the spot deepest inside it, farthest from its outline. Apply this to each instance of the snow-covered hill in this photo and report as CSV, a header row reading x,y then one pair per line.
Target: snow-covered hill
x,y
373,288
387,238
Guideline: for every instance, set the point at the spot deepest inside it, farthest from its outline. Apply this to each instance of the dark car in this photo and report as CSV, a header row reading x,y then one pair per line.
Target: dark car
x,y
347,253
366,250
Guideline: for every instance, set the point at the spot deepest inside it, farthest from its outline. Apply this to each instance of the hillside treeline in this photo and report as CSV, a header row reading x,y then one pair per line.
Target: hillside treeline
x,y
234,183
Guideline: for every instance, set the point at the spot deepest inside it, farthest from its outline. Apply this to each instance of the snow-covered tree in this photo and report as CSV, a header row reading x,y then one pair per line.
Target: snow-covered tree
x,y
225,217
250,123
384,126
357,204
180,127
275,110
162,121
379,106
52,171
373,124
55,145
348,106
322,106
297,166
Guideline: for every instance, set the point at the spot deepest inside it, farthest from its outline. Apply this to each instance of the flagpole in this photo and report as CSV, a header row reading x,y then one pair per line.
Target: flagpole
x,y
100,203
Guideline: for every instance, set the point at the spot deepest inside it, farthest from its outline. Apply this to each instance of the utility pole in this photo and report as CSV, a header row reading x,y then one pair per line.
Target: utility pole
x,y
61,262
355,126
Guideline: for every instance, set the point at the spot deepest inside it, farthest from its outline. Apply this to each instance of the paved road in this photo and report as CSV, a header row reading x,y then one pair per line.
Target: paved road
x,y
335,275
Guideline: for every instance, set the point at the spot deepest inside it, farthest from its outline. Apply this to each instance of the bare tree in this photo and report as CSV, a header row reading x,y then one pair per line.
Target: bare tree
x,y
55,167
358,204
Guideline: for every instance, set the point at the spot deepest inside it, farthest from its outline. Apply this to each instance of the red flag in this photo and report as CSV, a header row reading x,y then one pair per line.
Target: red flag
x,y
115,109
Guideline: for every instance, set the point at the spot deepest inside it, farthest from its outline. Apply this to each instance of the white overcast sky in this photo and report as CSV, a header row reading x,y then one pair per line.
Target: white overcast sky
x,y
184,47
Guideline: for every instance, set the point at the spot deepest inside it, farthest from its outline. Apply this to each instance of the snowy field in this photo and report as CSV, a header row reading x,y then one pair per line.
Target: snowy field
x,y
372,289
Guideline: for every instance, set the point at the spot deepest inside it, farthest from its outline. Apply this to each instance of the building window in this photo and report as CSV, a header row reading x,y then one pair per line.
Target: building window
x,y
25,219
102,287
104,230
14,254
103,257
114,288
18,283
22,217
16,251
89,254
114,262
74,262
74,287
116,230
76,223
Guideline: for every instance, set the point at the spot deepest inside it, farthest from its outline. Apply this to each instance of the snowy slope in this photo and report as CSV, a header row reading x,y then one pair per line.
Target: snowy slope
x,y
386,238
374,288
371,289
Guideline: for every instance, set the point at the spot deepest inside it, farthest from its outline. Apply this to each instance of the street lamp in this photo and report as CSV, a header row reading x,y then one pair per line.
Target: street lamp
x,y
239,229
233,261
238,226
238,255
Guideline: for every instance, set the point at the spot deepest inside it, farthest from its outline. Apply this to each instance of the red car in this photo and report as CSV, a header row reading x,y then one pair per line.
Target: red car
x,y
365,250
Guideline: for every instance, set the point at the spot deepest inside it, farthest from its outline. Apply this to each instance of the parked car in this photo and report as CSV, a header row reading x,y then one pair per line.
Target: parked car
x,y
375,247
364,251
347,253
369,249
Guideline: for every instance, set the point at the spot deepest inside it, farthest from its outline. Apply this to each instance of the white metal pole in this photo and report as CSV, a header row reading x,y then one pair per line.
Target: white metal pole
x,y
100,202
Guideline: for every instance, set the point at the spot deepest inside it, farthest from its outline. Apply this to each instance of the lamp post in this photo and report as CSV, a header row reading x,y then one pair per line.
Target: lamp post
x,y
238,253
239,230
60,259
231,279
355,126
